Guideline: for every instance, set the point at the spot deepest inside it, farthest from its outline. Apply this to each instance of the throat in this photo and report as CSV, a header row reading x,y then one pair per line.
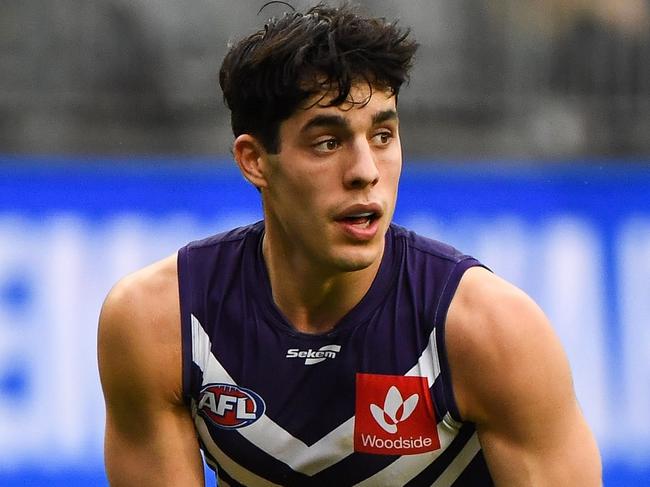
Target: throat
x,y
314,301
315,310
316,306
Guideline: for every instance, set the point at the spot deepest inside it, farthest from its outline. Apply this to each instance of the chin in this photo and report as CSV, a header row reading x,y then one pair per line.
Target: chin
x,y
354,266
357,261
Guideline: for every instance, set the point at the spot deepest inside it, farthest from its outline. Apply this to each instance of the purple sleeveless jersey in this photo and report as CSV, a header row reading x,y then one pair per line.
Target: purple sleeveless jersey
x,y
368,403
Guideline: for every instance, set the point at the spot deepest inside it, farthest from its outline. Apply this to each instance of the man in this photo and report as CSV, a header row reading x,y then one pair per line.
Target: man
x,y
325,345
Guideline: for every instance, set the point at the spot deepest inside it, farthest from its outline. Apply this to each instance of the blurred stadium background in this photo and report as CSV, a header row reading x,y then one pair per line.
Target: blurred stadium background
x,y
526,132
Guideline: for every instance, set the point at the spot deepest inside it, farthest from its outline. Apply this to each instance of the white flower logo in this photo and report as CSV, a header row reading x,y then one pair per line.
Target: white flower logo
x,y
392,405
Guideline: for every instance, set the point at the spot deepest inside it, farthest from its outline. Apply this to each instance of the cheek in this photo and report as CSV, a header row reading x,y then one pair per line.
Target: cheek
x,y
302,190
391,171
312,186
302,197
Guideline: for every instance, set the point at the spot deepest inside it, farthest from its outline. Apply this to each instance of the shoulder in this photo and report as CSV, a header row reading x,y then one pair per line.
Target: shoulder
x,y
146,296
426,246
227,238
144,285
500,346
139,330
222,251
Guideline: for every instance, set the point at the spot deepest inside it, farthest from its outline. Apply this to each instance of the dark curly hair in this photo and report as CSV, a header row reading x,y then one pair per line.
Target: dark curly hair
x,y
266,76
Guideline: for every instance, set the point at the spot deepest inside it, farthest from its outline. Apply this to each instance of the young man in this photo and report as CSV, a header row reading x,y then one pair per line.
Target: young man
x,y
325,345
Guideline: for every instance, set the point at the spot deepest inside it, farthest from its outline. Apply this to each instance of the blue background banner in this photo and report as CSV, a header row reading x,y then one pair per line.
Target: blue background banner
x,y
576,237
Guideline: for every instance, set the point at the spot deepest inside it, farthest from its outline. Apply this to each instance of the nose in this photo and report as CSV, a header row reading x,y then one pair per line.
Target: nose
x,y
361,171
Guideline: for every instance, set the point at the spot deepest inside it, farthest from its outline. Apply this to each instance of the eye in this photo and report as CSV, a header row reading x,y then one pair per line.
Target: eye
x,y
327,145
383,138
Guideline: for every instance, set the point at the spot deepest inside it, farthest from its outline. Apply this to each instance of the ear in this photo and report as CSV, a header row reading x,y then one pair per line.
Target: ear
x,y
251,157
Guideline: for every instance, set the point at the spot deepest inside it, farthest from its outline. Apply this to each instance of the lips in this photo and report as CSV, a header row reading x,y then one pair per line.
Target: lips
x,y
359,221
360,213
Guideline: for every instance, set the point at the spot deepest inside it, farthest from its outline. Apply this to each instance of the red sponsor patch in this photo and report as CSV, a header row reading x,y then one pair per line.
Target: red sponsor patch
x,y
394,415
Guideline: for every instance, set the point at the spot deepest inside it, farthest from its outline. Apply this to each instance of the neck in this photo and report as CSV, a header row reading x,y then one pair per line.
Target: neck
x,y
312,298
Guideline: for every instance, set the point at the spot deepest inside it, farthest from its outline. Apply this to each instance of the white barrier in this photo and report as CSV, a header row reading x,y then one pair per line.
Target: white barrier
x,y
56,270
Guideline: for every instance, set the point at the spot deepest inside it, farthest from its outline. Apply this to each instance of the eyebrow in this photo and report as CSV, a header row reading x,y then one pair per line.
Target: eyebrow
x,y
384,116
326,121
341,122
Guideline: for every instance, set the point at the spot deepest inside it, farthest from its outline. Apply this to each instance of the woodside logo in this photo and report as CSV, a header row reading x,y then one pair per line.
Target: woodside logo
x,y
387,417
394,415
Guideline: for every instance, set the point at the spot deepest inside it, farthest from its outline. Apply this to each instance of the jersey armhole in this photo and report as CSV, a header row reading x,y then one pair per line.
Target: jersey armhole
x,y
185,296
440,320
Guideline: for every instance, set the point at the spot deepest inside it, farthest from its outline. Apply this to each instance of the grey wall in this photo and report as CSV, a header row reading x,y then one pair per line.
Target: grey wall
x,y
495,78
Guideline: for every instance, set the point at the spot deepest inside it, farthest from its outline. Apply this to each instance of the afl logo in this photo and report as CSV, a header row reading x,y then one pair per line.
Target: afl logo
x,y
229,406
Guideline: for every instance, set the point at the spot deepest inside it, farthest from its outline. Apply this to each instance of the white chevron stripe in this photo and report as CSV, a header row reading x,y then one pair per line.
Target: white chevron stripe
x,y
333,447
201,345
428,365
236,471
268,435
460,463
274,440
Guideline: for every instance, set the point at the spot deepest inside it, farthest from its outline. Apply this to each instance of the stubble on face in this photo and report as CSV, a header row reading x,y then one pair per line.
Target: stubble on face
x,y
336,167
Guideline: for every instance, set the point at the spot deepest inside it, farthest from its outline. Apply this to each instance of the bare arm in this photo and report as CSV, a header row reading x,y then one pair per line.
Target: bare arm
x,y
511,377
150,438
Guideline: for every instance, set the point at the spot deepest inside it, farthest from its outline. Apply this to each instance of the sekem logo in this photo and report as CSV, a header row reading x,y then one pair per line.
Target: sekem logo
x,y
399,426
229,406
314,356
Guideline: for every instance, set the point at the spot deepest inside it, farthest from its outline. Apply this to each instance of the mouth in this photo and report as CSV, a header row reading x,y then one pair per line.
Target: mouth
x,y
361,220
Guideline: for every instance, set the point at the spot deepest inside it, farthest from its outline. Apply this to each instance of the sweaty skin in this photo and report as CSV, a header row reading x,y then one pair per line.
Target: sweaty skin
x,y
329,195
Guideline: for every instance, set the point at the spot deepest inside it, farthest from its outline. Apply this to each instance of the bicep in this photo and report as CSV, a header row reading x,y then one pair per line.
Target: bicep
x,y
513,380
150,438
532,431
161,451
547,451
